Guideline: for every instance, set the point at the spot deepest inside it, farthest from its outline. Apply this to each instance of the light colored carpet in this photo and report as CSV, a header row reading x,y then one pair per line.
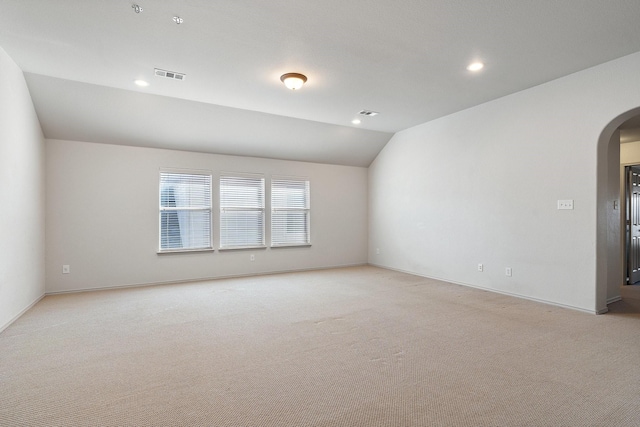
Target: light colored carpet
x,y
347,347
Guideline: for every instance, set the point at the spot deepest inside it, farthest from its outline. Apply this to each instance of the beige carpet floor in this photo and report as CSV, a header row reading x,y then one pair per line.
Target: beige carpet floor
x,y
357,346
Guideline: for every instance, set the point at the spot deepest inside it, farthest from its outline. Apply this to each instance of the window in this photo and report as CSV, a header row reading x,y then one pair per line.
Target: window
x,y
185,211
241,211
289,212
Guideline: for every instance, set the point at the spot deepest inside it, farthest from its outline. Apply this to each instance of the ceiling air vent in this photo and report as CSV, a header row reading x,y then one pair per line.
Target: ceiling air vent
x,y
368,113
169,74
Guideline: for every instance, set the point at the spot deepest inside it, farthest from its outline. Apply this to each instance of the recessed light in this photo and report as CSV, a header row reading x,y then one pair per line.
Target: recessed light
x,y
141,83
475,66
178,20
356,121
136,8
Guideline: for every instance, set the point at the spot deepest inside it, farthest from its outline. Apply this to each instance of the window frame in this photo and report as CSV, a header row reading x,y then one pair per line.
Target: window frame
x,y
161,209
306,210
224,208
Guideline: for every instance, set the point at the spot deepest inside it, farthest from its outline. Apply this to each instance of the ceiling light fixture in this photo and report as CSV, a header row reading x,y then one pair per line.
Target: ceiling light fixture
x,y
136,8
178,20
356,121
141,83
475,66
293,81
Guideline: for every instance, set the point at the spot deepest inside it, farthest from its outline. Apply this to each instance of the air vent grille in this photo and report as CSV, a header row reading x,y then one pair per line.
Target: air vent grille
x,y
169,74
368,113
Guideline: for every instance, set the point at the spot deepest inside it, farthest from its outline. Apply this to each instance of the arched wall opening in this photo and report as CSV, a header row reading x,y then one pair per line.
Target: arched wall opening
x,y
610,233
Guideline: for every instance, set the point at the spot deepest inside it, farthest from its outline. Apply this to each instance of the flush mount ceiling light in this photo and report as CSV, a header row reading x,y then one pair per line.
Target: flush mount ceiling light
x,y
136,8
475,66
178,20
293,81
356,121
141,83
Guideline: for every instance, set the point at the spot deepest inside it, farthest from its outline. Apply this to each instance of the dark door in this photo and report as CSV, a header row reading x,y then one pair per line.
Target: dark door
x,y
633,224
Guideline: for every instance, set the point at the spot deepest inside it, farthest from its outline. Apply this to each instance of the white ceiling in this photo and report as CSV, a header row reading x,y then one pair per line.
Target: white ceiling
x,y
404,58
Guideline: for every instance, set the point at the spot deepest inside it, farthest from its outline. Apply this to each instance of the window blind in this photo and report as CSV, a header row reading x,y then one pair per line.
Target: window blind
x,y
241,211
289,212
185,211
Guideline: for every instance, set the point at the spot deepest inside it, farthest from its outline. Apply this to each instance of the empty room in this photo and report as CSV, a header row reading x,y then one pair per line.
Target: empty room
x,y
339,213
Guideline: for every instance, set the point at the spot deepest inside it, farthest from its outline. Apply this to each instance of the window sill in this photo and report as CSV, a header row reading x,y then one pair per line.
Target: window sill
x,y
306,245
184,251
241,248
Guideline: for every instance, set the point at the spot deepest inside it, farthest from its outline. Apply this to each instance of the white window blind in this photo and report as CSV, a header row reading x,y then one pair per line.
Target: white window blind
x,y
185,211
241,211
289,212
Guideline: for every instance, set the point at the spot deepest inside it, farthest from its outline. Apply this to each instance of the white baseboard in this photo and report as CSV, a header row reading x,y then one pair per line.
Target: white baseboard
x,y
614,299
511,294
202,279
17,316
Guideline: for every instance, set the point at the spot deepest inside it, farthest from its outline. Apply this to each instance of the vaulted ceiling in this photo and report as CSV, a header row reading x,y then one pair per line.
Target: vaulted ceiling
x,y
405,59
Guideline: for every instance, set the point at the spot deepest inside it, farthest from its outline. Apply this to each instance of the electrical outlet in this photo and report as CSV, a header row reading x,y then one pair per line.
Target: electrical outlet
x,y
480,267
507,271
66,269
252,257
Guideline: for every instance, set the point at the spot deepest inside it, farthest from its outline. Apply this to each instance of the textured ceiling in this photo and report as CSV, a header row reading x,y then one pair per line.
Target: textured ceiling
x,y
405,59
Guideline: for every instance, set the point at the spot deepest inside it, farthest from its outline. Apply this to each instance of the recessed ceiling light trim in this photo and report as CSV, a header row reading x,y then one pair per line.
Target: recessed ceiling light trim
x,y
475,66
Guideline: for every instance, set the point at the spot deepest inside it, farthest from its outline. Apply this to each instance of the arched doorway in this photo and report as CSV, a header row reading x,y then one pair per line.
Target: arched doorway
x,y
610,232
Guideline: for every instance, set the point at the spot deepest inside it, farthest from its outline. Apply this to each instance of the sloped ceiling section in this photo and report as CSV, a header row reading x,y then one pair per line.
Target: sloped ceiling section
x,y
406,59
71,110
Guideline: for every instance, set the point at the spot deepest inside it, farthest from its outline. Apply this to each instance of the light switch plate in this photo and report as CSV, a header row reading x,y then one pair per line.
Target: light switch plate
x,y
565,204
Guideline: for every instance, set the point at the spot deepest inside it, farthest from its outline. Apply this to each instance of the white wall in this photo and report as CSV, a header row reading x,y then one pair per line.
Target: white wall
x,y
630,153
102,217
481,186
22,196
